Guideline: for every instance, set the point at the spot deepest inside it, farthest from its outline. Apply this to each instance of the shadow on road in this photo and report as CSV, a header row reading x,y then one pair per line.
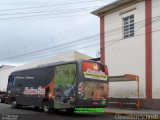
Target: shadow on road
x,y
62,113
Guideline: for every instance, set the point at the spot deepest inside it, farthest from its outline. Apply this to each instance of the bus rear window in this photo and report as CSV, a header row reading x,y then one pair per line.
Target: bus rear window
x,y
92,70
95,90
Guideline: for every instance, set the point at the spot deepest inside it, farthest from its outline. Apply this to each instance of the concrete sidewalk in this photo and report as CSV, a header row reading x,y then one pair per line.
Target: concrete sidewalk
x,y
125,111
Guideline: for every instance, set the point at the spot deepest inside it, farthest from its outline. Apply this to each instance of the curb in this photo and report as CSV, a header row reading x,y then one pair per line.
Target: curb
x,y
157,116
118,113
113,113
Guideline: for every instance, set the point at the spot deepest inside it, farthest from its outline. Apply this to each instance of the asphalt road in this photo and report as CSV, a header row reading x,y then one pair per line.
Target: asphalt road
x,y
29,113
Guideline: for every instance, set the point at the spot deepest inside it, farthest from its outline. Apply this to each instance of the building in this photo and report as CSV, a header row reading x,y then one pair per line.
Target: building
x,y
2,67
129,43
64,57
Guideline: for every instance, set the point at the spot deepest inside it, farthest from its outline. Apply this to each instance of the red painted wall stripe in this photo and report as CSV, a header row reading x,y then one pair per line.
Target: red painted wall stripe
x,y
148,8
102,40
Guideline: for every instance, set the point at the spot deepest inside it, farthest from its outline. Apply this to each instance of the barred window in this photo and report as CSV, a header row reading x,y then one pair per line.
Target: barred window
x,y
128,26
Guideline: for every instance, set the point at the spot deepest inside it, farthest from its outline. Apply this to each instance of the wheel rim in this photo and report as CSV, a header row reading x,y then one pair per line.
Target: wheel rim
x,y
14,103
46,106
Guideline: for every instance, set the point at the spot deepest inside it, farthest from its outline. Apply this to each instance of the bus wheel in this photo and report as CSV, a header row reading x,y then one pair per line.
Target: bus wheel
x,y
46,106
14,103
70,110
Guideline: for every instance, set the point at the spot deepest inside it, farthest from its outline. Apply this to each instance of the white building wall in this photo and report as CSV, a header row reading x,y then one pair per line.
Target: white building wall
x,y
126,55
156,49
4,78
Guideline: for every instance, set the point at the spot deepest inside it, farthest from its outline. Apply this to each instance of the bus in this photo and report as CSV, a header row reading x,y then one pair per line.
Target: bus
x,y
61,85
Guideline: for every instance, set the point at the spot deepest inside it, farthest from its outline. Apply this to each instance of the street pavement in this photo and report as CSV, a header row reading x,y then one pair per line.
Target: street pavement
x,y
138,114
132,111
29,113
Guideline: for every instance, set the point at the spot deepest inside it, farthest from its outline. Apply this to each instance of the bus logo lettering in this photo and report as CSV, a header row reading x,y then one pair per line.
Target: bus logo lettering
x,y
32,91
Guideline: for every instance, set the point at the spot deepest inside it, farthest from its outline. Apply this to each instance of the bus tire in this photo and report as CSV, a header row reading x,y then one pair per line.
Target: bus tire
x,y
46,106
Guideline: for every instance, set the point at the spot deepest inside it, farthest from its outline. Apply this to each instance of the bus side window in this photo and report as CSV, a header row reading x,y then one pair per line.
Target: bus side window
x,y
11,81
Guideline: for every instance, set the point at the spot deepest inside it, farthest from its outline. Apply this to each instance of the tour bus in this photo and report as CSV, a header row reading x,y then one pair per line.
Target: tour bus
x,y
61,85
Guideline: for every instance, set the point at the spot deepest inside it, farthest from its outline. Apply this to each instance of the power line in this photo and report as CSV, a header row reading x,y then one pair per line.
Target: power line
x,y
116,40
21,17
44,6
54,10
84,47
157,19
33,12
68,50
89,37
113,30
123,39
23,3
47,14
79,40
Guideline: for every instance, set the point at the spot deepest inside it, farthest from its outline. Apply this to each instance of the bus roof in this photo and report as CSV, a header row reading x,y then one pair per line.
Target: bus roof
x,y
50,64
44,66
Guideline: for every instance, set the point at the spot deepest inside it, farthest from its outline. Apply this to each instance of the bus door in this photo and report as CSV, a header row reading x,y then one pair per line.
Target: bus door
x,y
64,85
14,88
11,84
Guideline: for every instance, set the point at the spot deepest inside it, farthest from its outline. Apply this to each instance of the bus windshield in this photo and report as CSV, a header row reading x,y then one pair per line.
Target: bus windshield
x,y
95,85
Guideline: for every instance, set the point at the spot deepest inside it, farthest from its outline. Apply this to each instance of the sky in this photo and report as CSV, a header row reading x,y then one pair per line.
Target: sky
x,y
31,30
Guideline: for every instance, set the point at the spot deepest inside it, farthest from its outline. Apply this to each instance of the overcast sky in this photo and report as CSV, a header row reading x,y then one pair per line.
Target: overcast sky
x,y
36,29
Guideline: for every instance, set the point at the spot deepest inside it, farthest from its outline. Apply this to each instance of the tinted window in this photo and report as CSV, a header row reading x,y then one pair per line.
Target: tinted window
x,y
35,77
11,81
